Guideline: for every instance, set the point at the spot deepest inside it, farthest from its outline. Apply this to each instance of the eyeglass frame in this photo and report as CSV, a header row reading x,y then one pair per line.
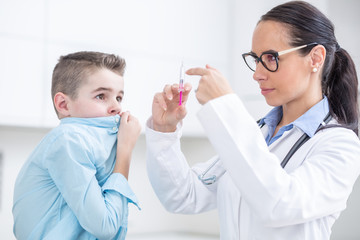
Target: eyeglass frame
x,y
274,54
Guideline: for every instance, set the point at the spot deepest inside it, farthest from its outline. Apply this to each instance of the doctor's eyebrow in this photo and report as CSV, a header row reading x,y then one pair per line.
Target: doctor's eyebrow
x,y
253,53
267,51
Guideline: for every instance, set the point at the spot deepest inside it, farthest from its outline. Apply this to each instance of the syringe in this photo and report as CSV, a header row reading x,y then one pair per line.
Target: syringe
x,y
181,83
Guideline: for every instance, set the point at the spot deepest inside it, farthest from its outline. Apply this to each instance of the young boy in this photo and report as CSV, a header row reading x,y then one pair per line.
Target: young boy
x,y
74,184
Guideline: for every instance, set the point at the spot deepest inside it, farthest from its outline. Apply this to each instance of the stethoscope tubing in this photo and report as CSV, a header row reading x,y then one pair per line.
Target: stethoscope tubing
x,y
304,138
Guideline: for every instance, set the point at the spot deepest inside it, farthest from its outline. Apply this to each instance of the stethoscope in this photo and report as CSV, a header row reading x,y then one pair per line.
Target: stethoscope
x,y
207,180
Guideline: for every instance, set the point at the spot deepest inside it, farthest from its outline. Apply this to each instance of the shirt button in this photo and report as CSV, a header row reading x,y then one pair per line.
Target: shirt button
x,y
114,128
116,120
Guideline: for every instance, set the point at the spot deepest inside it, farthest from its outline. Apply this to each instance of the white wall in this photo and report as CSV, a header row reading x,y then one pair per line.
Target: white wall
x,y
154,37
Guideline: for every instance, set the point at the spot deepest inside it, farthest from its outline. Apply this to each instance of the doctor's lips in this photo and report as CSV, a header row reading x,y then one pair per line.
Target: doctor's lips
x,y
266,90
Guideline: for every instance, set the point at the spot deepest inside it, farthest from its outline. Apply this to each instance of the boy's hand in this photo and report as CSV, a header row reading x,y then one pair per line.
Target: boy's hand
x,y
129,131
166,112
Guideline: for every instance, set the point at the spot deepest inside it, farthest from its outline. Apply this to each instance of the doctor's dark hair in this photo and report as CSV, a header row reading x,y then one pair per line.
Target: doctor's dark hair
x,y
73,70
306,24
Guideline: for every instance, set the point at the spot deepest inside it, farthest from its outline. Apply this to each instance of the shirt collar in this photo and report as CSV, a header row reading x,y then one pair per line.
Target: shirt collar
x,y
308,122
273,117
110,122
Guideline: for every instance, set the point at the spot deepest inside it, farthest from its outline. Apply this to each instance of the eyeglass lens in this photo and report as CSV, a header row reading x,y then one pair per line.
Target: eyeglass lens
x,y
268,60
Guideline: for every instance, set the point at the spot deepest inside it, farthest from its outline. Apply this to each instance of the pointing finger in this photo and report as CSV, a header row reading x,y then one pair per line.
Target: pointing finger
x,y
197,71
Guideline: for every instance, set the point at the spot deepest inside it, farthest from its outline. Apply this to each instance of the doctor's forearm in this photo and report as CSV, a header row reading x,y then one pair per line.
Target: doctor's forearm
x,y
173,181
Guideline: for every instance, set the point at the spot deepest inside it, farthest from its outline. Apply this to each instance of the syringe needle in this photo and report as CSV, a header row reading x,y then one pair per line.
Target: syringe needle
x,y
181,83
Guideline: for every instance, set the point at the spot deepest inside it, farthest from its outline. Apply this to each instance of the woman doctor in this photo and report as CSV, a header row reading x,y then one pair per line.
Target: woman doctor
x,y
258,191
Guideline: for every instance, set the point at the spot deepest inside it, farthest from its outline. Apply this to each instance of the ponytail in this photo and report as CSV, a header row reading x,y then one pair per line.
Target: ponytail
x,y
340,86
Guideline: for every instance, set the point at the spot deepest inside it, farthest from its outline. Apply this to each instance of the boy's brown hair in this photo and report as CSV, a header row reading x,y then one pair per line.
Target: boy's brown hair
x,y
73,69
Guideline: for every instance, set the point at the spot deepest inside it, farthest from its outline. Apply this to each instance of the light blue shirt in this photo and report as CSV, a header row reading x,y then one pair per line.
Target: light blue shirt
x,y
66,188
308,122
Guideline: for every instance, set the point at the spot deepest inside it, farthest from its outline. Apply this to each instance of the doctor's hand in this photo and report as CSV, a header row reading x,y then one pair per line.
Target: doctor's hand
x,y
166,111
212,84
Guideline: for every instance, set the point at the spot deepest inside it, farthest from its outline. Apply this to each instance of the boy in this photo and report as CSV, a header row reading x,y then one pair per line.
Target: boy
x,y
74,184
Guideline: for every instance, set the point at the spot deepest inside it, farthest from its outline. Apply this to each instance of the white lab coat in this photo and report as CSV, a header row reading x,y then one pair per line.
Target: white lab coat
x,y
256,198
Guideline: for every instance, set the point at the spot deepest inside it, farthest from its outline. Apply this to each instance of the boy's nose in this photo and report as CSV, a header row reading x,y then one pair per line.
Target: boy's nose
x,y
115,109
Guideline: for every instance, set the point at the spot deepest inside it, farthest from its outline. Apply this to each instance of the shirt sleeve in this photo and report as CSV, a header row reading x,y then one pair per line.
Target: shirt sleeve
x,y
319,187
100,211
176,184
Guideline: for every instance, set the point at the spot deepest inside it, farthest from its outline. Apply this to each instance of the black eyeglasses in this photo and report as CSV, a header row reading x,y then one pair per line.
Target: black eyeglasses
x,y
269,59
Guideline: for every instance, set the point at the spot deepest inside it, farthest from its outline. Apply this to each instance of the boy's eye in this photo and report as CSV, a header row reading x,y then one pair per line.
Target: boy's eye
x,y
119,99
100,96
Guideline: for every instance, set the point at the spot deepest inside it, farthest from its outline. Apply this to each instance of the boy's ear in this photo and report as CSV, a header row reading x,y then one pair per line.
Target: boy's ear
x,y
318,55
61,102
